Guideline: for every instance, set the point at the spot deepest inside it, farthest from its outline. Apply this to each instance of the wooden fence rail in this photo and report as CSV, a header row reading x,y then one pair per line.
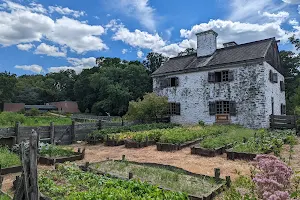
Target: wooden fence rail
x,y
62,134
284,122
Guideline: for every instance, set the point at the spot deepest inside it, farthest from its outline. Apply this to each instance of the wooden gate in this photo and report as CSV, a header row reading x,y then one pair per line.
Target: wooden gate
x,y
284,121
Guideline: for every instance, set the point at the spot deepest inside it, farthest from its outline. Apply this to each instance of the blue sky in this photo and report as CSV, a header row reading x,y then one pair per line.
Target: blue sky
x,y
41,36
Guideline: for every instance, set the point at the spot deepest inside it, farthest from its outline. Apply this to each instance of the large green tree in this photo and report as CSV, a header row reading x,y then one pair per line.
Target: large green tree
x,y
7,87
154,61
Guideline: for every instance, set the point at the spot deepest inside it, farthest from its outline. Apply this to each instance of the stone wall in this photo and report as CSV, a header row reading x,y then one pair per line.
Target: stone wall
x,y
249,89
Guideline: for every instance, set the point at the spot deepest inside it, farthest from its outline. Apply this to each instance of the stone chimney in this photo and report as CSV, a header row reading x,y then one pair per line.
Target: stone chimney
x,y
206,43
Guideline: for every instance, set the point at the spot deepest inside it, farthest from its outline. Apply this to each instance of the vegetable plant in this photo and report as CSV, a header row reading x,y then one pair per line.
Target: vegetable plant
x,y
8,158
50,150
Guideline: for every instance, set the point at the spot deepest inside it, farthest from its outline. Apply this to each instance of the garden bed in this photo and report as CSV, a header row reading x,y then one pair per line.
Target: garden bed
x,y
167,177
175,147
51,154
87,185
9,162
112,143
134,144
198,150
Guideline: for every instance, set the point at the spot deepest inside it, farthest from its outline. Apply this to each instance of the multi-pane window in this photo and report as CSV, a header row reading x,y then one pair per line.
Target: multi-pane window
x,y
170,82
174,109
221,76
222,107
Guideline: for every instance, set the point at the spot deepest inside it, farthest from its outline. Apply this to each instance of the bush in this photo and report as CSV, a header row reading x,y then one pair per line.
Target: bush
x,y
201,123
151,107
33,112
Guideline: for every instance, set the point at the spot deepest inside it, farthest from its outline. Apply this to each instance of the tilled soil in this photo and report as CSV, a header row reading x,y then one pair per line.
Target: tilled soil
x,y
183,159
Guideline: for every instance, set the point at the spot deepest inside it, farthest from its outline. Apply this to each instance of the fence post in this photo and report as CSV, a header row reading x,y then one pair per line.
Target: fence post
x,y
73,132
33,166
100,124
272,122
17,131
52,133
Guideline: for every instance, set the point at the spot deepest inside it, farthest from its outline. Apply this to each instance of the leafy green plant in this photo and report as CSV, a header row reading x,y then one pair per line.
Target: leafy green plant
x,y
69,182
50,150
4,197
201,123
8,158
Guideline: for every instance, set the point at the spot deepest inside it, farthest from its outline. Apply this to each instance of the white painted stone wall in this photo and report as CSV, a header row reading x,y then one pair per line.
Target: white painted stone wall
x,y
251,90
206,43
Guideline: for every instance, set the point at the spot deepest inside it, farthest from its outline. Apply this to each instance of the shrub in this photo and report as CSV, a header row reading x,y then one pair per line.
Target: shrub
x,y
201,123
33,112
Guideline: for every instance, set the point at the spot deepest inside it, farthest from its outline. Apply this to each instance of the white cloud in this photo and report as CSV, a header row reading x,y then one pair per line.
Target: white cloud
x,y
139,54
49,50
139,38
33,68
292,1
279,17
77,64
124,51
32,7
25,47
293,22
78,36
24,25
138,9
66,11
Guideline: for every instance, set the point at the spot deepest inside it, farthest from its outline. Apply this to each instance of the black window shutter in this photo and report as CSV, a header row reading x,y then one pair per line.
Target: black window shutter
x,y
170,108
275,78
176,81
168,82
230,76
212,108
283,109
177,109
164,83
271,76
282,86
232,108
211,77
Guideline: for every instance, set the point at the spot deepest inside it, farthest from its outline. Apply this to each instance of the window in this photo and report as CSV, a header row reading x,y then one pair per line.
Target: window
x,y
174,109
282,86
222,107
273,77
222,76
170,82
283,109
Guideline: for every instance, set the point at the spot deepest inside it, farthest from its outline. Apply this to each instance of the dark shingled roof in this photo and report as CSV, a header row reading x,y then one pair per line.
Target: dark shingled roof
x,y
227,55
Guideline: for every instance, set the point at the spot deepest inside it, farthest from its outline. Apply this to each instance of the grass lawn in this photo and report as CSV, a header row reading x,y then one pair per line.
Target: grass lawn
x,y
176,181
8,119
8,158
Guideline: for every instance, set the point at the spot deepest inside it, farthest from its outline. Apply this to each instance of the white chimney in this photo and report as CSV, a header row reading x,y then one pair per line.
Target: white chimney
x,y
206,43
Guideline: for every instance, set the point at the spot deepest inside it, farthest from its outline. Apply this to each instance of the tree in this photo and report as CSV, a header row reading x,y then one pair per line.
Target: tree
x,y
150,107
7,87
154,61
187,51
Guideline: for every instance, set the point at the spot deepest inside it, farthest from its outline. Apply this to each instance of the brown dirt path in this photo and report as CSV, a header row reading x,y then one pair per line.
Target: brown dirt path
x,y
182,159
294,162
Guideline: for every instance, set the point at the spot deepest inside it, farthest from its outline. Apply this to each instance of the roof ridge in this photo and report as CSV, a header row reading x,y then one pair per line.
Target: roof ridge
x,y
247,43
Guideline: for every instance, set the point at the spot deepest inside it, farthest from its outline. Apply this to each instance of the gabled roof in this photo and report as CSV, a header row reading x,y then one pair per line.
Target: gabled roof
x,y
228,55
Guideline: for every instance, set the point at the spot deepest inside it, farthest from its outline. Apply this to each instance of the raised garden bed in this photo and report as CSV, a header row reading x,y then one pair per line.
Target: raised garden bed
x,y
134,144
167,177
9,162
175,147
198,150
54,154
10,170
231,155
113,142
88,185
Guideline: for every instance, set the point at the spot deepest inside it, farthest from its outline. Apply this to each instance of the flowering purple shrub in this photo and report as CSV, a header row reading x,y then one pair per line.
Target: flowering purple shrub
x,y
272,178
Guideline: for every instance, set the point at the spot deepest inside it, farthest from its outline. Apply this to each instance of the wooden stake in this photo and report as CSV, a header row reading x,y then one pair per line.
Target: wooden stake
x,y
228,181
33,166
217,174
130,175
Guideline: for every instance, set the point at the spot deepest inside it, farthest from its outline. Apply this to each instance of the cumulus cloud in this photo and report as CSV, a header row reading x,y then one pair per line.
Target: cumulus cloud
x,y
49,50
32,68
138,9
66,11
32,7
25,25
293,22
139,54
77,64
124,51
277,17
292,1
25,47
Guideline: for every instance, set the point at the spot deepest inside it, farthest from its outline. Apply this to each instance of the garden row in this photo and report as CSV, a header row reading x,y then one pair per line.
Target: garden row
x,y
48,154
127,180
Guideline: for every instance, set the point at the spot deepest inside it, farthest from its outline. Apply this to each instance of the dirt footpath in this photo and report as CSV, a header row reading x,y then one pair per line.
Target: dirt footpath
x,y
182,158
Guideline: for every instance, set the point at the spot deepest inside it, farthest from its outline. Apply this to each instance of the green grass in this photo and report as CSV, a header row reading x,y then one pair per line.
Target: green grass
x,y
234,135
69,182
176,181
4,197
55,151
8,158
8,119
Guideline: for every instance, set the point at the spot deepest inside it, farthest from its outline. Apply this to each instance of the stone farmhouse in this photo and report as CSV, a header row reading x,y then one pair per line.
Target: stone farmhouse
x,y
239,83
